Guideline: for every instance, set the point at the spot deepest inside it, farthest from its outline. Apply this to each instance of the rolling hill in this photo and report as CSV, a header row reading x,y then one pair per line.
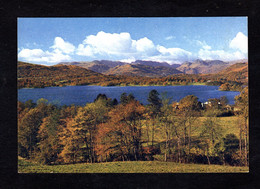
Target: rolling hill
x,y
155,64
238,67
33,75
34,70
237,72
204,67
99,66
142,70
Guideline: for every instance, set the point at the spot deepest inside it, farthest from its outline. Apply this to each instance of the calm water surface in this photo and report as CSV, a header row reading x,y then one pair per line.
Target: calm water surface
x,y
80,95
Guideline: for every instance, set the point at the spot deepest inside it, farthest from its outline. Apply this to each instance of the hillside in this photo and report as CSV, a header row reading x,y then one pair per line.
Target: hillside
x,y
142,70
96,65
34,70
204,67
155,64
32,75
235,72
238,67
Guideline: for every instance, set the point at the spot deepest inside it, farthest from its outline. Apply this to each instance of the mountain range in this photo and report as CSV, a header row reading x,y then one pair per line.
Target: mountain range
x,y
153,68
142,70
33,75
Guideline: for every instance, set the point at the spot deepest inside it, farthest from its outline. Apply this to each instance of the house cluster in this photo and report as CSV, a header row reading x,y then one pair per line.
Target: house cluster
x,y
210,104
207,104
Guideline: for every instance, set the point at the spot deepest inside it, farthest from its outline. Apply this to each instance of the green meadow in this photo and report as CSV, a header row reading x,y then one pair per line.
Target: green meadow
x,y
25,166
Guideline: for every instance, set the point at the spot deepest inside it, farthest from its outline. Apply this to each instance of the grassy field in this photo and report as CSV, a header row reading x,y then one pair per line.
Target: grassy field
x,y
25,166
228,124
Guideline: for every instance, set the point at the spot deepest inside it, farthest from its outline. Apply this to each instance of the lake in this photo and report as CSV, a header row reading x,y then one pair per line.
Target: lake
x,y
80,95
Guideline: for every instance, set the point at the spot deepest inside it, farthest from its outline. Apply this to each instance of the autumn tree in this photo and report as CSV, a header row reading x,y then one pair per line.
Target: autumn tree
x,y
120,137
79,135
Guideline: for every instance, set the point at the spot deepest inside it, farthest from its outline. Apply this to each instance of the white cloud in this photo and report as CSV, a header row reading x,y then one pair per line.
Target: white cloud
x,y
203,44
85,51
62,45
171,55
128,60
240,42
206,54
38,55
144,45
110,44
118,44
169,37
60,52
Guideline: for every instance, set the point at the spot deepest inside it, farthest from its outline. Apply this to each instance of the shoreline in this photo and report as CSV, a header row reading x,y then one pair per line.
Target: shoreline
x,y
195,84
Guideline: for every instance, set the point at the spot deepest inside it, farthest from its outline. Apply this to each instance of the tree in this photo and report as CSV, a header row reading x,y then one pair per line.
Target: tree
x,y
188,110
48,138
167,119
27,132
231,146
224,87
223,100
71,139
101,96
120,137
29,104
79,135
155,102
154,107
211,134
123,98
241,102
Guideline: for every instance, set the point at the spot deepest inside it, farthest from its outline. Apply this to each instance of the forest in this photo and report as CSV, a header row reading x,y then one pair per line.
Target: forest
x,y
108,130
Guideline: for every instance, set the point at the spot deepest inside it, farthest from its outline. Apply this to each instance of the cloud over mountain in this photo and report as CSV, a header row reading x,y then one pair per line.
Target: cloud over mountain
x,y
63,46
118,44
238,43
60,52
38,55
121,46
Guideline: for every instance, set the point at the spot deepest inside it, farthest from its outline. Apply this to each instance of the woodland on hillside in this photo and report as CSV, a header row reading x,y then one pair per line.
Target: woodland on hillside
x,y
106,130
38,76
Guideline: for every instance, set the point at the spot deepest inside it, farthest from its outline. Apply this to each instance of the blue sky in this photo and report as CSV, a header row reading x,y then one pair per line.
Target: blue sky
x,y
174,40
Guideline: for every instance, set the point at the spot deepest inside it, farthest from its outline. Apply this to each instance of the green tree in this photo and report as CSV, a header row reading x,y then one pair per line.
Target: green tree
x,y
188,112
154,106
242,104
49,145
155,102
167,119
123,98
27,132
211,134
231,146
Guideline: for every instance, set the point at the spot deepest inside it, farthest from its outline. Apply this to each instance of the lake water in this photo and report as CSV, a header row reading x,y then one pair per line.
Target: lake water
x,y
80,95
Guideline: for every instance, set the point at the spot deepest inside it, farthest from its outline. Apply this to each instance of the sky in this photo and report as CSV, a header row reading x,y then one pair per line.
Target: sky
x,y
49,41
